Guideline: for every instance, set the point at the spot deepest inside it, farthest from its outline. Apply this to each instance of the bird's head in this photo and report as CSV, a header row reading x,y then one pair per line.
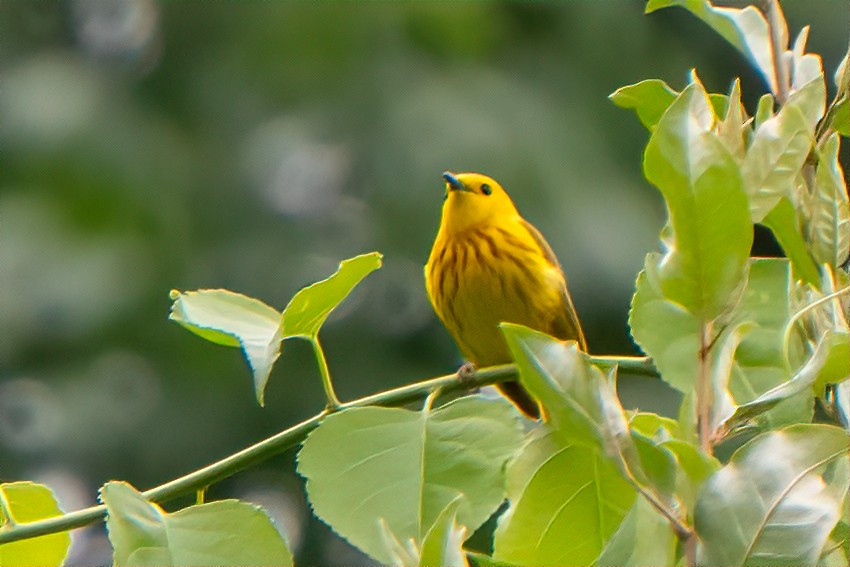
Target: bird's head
x,y
472,200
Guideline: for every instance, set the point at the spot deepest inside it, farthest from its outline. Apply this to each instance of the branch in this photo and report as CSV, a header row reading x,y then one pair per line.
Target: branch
x,y
290,437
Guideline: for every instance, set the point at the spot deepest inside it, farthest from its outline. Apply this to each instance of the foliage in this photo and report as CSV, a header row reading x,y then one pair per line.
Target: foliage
x,y
749,473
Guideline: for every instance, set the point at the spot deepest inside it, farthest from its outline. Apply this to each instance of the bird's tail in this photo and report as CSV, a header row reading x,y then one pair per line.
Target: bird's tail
x,y
521,399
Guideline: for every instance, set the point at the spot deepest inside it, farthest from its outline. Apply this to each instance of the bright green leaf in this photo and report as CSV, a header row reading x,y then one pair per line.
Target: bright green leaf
x,y
580,402
771,505
665,330
406,467
829,209
649,99
654,426
745,28
566,501
644,538
233,319
764,110
773,161
309,308
705,266
30,502
227,532
730,130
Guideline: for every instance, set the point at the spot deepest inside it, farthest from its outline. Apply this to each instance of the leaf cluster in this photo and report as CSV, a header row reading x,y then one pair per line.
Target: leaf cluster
x,y
755,468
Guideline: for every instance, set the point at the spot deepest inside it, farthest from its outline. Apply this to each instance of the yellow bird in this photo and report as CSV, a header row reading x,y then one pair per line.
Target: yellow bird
x,y
489,265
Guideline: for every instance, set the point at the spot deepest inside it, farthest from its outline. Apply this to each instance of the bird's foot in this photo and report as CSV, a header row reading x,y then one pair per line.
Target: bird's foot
x,y
466,375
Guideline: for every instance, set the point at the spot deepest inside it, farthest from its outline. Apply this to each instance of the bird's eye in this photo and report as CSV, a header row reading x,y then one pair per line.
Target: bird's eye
x,y
485,189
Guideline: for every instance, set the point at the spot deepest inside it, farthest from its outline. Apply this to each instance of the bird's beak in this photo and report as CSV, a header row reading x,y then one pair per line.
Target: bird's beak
x,y
454,183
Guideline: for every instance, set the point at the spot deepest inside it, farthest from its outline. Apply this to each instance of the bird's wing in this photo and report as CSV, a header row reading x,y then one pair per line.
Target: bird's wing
x,y
566,325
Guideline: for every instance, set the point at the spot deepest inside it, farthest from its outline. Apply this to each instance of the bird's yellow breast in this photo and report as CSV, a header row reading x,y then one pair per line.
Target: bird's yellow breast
x,y
489,274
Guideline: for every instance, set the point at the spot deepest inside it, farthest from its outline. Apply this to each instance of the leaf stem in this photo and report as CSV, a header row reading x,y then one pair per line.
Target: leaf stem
x,y
333,402
704,391
6,510
639,365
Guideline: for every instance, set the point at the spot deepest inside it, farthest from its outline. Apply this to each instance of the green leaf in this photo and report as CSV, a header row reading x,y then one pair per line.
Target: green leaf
x,y
731,129
309,308
580,402
764,110
645,537
233,319
405,466
829,209
30,502
694,467
760,359
665,330
654,426
442,544
705,266
755,512
745,28
802,381
566,501
722,356
658,466
649,99
227,532
805,67
840,121
784,222
484,560
773,161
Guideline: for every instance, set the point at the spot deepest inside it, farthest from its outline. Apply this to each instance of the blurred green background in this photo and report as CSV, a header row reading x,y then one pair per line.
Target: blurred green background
x,y
149,146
